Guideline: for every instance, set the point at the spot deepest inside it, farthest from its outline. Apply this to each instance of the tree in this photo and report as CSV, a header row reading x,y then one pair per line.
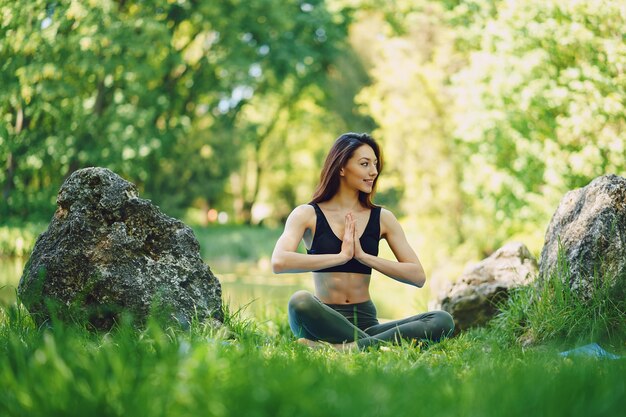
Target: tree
x,y
152,90
540,110
490,111
410,48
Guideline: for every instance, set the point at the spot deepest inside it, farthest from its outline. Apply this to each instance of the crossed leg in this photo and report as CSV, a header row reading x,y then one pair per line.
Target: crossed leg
x,y
311,321
431,326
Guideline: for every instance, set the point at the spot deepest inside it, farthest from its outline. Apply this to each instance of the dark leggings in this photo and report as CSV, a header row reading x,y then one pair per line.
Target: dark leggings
x,y
314,320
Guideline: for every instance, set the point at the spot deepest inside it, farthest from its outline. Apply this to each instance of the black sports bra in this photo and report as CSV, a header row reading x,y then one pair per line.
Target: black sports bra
x,y
325,241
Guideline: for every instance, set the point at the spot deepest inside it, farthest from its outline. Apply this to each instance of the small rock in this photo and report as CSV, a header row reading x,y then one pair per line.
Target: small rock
x,y
473,299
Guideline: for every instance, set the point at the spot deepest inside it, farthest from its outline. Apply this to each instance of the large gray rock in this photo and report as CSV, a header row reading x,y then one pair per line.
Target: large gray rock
x,y
473,299
590,226
108,252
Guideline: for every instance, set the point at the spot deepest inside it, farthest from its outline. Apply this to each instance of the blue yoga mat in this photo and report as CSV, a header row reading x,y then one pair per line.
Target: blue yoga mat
x,y
591,350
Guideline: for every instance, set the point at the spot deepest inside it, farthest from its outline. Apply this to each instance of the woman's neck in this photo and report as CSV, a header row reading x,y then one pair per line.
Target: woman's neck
x,y
345,200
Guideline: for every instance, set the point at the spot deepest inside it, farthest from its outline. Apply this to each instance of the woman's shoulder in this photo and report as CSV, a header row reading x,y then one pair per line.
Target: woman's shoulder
x,y
388,221
302,213
304,208
386,215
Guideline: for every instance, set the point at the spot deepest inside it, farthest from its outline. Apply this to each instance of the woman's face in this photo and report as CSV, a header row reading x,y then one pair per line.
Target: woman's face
x,y
360,170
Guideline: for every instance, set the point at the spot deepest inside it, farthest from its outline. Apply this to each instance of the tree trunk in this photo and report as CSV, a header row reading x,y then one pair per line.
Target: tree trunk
x,y
249,201
8,174
11,165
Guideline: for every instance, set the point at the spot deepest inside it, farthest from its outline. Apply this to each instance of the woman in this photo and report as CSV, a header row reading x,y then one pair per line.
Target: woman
x,y
341,312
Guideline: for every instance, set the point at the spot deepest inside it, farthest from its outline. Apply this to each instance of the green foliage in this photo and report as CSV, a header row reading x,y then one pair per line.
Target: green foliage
x,y
489,111
19,239
154,91
413,58
539,110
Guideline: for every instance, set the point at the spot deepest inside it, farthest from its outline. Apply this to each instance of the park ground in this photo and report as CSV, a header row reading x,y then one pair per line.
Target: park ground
x,y
252,366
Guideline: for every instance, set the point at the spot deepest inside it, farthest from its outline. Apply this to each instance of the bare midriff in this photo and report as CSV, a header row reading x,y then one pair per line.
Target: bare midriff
x,y
342,287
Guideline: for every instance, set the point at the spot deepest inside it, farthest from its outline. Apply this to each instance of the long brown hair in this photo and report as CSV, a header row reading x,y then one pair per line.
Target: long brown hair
x,y
338,156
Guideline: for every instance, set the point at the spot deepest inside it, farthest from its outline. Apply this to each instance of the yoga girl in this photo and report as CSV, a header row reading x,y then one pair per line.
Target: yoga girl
x,y
341,312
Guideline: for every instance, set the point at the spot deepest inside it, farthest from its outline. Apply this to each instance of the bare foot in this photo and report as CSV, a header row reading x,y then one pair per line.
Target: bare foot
x,y
345,347
311,343
341,347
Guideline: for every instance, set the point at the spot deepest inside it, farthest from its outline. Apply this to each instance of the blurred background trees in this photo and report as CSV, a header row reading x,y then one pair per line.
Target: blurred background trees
x,y
183,98
488,110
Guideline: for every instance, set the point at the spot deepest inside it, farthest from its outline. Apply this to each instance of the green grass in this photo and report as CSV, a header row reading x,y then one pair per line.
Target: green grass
x,y
236,242
550,311
253,367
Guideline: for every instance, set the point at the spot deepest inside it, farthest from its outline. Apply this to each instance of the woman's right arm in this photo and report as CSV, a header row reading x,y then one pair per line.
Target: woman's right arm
x,y
286,259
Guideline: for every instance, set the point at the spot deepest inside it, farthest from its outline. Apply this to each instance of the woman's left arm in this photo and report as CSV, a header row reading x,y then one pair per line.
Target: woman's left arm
x,y
408,269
